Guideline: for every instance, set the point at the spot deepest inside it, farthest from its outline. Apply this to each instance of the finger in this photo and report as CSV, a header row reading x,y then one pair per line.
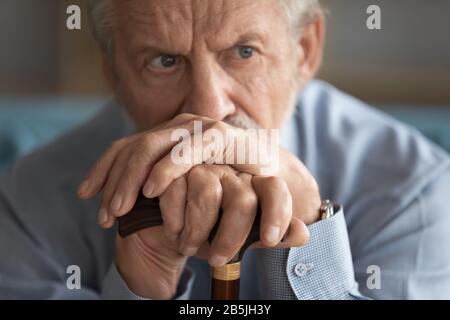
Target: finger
x,y
276,206
203,251
297,235
98,174
183,157
239,210
109,188
204,197
255,153
171,167
172,204
236,147
132,176
145,153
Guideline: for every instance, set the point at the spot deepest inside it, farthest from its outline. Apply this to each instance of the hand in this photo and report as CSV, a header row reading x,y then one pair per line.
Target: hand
x,y
144,162
233,191
190,209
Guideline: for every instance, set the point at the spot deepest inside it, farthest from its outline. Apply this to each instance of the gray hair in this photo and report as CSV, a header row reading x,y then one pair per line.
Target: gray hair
x,y
101,16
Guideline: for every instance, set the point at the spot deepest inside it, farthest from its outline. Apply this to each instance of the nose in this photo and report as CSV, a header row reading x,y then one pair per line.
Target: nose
x,y
209,94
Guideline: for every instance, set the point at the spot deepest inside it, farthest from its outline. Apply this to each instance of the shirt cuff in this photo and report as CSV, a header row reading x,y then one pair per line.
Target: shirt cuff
x,y
115,288
323,268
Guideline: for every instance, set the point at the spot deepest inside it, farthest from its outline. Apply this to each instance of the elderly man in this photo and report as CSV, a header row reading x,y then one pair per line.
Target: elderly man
x,y
229,64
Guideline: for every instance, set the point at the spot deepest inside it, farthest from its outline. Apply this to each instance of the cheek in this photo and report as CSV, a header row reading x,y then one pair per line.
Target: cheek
x,y
269,93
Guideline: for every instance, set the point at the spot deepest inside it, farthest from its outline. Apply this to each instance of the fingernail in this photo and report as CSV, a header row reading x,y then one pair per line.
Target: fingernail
x,y
272,234
189,251
217,261
148,190
84,187
116,203
103,216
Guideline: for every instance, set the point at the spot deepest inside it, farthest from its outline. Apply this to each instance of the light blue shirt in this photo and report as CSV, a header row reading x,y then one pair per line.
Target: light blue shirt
x,y
388,240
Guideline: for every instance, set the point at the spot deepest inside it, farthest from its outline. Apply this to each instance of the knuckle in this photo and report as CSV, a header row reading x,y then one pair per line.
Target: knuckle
x,y
247,199
133,164
175,226
160,172
277,184
195,234
241,204
146,142
197,172
228,244
201,214
117,144
199,209
172,223
213,192
206,199
206,182
130,172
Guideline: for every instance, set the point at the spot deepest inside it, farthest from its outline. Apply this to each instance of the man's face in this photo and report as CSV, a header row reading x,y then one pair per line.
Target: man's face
x,y
215,58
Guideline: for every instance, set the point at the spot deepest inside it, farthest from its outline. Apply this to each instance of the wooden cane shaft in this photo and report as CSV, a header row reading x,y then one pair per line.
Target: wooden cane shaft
x,y
225,281
225,289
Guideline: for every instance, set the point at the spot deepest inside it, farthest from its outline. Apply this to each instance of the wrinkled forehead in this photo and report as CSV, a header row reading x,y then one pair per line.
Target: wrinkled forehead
x,y
178,22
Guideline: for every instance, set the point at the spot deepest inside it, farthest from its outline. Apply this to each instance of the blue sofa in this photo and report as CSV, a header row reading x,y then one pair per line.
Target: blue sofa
x,y
27,123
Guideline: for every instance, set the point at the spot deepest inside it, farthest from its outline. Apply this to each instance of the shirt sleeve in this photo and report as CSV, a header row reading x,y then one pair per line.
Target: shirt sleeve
x,y
323,269
405,257
115,288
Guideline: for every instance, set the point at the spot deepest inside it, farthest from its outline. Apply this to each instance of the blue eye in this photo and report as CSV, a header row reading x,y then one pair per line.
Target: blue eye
x,y
245,52
166,61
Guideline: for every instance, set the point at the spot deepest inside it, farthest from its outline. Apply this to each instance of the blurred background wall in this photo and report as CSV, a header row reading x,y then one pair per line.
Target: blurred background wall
x,y
39,56
407,62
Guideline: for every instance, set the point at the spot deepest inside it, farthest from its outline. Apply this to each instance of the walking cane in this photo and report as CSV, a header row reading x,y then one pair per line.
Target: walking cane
x,y
225,280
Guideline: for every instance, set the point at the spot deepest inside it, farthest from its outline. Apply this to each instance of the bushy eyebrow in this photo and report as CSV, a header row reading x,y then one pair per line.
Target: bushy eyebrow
x,y
249,37
152,45
156,45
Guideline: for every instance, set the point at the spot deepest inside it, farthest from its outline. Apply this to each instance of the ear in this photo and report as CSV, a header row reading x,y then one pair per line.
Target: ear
x,y
108,72
311,44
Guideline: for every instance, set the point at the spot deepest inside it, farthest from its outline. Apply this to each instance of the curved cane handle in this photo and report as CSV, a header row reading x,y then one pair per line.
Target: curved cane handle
x,y
226,279
146,214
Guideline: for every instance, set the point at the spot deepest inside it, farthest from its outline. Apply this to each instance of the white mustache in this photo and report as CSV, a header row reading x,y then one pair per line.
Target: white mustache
x,y
242,121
